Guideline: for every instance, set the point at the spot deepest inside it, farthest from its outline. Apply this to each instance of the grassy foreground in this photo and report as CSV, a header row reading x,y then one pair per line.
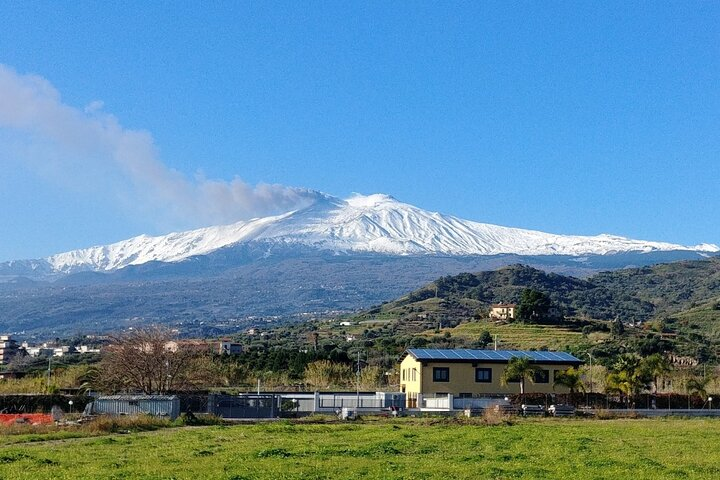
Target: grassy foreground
x,y
392,449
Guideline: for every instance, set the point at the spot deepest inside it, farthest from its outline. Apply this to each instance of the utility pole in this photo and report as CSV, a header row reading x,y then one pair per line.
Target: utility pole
x,y
49,372
591,378
357,382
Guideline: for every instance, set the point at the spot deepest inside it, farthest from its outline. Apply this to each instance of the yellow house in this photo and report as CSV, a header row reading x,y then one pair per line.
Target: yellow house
x,y
427,373
502,311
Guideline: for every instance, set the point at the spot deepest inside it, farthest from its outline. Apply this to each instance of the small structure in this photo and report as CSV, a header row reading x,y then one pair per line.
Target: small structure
x,y
155,405
227,347
502,311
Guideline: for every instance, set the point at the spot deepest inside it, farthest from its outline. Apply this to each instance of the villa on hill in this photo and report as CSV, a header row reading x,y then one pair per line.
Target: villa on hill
x,y
502,311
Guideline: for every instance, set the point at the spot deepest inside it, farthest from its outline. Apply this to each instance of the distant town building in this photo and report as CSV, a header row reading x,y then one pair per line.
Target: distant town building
x,y
502,311
62,351
192,345
39,351
227,347
87,349
48,350
8,349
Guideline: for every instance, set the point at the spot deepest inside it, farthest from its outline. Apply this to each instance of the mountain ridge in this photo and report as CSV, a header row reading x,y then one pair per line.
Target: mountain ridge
x,y
375,223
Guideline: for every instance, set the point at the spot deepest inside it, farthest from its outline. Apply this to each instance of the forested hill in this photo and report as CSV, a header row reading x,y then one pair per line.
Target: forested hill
x,y
636,294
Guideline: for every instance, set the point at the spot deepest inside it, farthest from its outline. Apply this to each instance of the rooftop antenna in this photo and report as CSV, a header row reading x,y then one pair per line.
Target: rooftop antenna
x,y
496,341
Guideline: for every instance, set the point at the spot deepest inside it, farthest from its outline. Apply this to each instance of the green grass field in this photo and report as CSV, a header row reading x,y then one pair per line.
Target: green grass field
x,y
389,449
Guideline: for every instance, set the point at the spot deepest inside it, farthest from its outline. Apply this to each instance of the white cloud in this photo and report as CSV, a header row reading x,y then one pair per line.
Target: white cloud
x,y
94,145
94,106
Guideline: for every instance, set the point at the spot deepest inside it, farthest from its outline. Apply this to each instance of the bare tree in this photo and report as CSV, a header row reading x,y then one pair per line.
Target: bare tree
x,y
148,360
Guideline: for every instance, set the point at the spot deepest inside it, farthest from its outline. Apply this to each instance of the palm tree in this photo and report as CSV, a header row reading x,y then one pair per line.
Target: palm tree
x,y
697,385
570,379
519,369
627,362
656,365
628,377
619,383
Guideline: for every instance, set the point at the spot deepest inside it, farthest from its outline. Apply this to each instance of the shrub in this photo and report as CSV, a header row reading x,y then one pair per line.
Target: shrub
x,y
126,424
492,416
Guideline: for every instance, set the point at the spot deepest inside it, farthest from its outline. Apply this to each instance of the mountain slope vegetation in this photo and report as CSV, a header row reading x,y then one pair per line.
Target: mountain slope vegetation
x,y
633,295
670,308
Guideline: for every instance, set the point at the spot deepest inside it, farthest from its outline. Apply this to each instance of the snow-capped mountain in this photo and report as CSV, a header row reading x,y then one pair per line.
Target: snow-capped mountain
x,y
374,223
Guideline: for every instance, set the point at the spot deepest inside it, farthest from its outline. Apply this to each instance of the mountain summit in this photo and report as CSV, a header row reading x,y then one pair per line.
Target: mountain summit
x,y
369,224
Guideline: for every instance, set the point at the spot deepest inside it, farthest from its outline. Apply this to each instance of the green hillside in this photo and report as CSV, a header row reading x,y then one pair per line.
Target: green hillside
x,y
670,307
636,295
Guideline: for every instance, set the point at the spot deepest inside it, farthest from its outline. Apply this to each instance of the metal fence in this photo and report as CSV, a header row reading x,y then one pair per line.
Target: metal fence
x,y
244,406
368,401
351,402
156,405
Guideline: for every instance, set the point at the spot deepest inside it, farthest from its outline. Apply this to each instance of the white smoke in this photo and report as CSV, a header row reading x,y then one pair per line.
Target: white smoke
x,y
95,147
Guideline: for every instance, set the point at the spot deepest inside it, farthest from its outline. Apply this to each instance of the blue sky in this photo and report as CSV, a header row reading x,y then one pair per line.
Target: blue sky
x,y
579,118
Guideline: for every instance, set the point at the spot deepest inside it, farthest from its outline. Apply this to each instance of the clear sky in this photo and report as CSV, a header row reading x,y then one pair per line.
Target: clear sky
x,y
122,118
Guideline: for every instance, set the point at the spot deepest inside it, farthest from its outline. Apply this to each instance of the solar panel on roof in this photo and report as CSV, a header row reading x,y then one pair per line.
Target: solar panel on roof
x,y
490,355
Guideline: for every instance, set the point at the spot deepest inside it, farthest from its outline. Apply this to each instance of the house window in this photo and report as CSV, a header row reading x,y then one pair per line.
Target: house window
x,y
403,374
542,376
483,375
441,374
465,395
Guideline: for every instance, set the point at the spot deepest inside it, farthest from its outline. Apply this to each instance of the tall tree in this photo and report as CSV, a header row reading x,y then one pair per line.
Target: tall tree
x,y
485,339
534,306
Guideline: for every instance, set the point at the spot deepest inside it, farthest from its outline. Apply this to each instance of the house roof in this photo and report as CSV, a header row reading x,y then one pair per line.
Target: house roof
x,y
490,356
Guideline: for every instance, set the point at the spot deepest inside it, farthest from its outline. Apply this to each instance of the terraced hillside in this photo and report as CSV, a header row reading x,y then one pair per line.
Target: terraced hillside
x,y
525,337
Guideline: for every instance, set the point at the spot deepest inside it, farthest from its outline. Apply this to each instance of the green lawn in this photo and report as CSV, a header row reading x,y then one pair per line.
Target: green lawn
x,y
392,449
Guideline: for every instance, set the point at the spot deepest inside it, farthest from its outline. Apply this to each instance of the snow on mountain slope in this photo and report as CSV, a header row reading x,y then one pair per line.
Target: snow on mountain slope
x,y
373,223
